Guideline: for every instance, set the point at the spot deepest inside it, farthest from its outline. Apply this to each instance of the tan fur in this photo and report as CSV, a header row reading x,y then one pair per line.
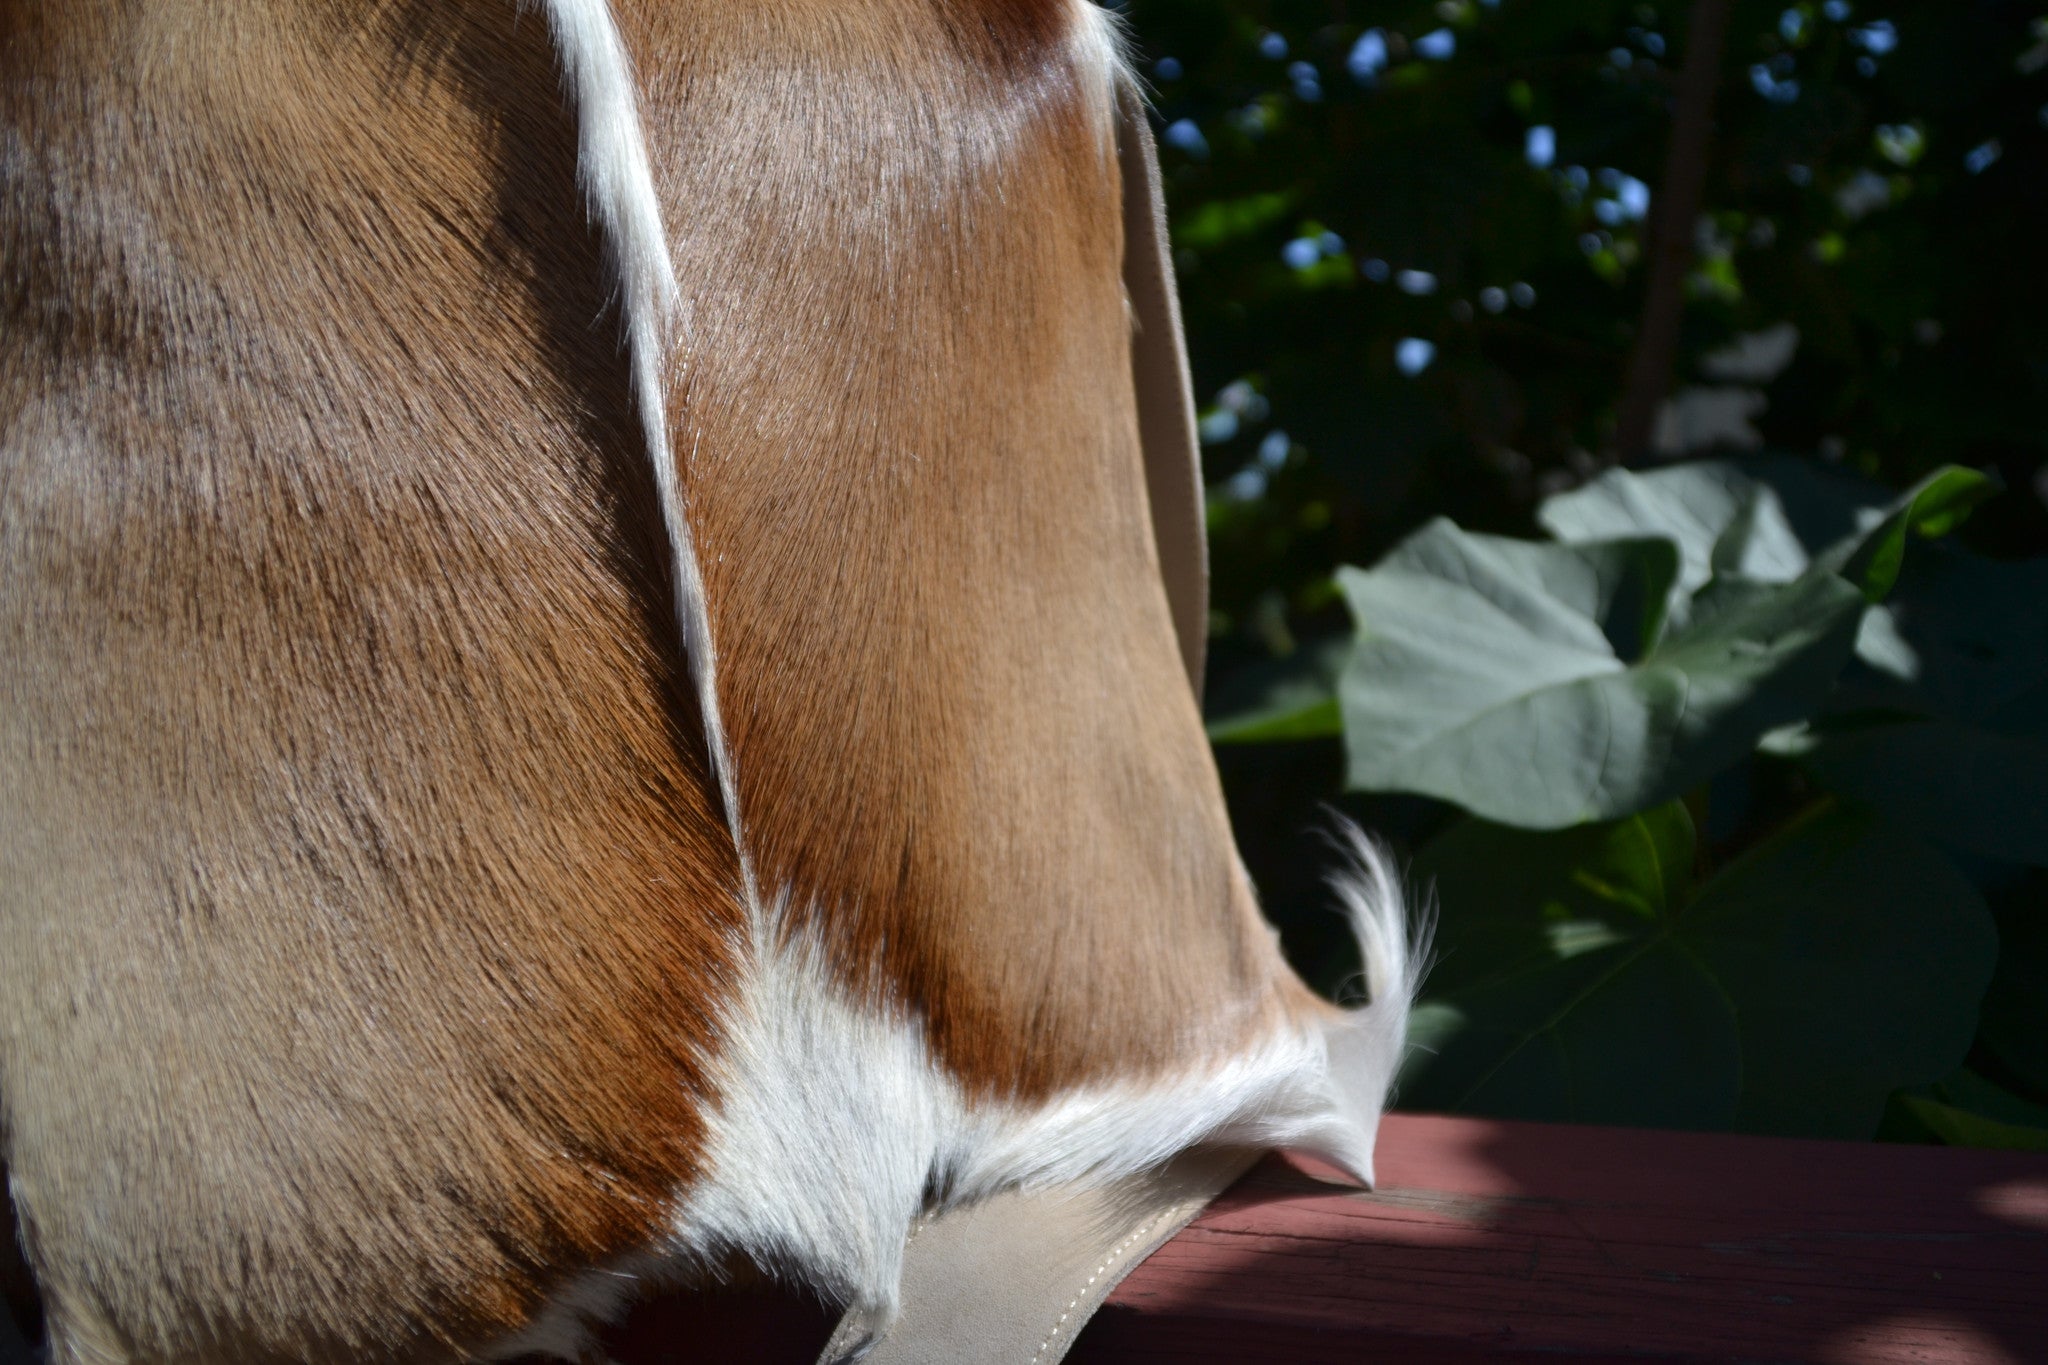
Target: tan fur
x,y
365,904
353,824
950,681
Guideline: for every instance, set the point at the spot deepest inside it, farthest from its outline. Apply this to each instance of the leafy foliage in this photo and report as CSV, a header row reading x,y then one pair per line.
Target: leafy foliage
x,y
1568,694
1732,774
1413,240
1594,977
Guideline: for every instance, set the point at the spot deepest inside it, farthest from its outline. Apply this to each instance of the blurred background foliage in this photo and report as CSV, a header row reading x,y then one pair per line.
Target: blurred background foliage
x,y
1483,259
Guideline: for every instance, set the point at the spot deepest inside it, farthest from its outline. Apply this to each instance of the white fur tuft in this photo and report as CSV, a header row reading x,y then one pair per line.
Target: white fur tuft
x,y
1102,48
618,183
1366,1044
836,1129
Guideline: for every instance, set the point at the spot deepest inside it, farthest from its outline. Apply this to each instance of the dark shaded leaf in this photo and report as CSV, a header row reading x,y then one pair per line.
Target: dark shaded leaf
x,y
1943,723
2013,1025
1964,785
1855,957
1580,978
1966,1110
1933,507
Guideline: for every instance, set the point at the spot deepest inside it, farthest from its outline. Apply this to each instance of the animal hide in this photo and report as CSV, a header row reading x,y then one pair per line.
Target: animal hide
x,y
586,683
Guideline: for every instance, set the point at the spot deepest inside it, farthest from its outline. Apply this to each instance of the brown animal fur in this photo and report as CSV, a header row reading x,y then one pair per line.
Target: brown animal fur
x,y
353,826
904,404
365,909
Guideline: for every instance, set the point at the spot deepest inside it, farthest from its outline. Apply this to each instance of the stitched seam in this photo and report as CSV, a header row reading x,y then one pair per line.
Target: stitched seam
x,y
1108,1261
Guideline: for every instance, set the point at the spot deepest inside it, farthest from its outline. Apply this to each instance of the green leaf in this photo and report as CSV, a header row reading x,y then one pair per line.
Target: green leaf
x,y
1538,685
1834,964
1557,994
1969,640
1763,519
1948,775
1966,1110
1769,519
1311,719
1943,724
1638,866
1286,699
1933,507
2011,1027
1959,1127
1967,786
1221,221
1635,1033
1856,957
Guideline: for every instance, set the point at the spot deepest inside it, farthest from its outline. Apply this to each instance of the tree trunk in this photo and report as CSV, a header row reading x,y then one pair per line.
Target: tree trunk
x,y
1671,237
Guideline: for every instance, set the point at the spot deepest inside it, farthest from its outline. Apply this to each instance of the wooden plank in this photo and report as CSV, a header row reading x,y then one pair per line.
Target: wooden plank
x,y
1497,1241
1493,1241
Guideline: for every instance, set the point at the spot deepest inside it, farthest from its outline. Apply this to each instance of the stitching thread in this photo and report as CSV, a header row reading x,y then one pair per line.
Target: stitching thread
x,y
1108,1261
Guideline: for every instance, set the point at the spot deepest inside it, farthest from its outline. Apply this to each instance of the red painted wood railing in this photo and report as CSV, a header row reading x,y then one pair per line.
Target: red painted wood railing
x,y
1500,1241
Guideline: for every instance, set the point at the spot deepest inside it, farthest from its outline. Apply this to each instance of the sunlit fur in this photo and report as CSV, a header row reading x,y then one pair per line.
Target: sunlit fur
x,y
365,897
585,687
1366,1045
618,185
806,1068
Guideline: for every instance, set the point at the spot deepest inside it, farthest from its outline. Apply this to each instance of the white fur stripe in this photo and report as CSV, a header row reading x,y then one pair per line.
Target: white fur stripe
x,y
618,183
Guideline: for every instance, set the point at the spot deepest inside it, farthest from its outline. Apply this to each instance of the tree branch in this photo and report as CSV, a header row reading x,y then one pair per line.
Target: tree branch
x,y
1671,238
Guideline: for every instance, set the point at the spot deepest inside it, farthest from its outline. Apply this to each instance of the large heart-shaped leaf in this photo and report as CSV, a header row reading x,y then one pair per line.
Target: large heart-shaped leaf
x,y
1769,519
1691,505
1580,978
1555,995
1537,684
1764,518
1855,956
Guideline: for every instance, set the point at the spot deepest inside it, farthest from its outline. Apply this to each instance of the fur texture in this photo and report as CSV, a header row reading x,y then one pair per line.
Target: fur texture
x,y
383,974
618,184
806,1066
957,718
366,905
